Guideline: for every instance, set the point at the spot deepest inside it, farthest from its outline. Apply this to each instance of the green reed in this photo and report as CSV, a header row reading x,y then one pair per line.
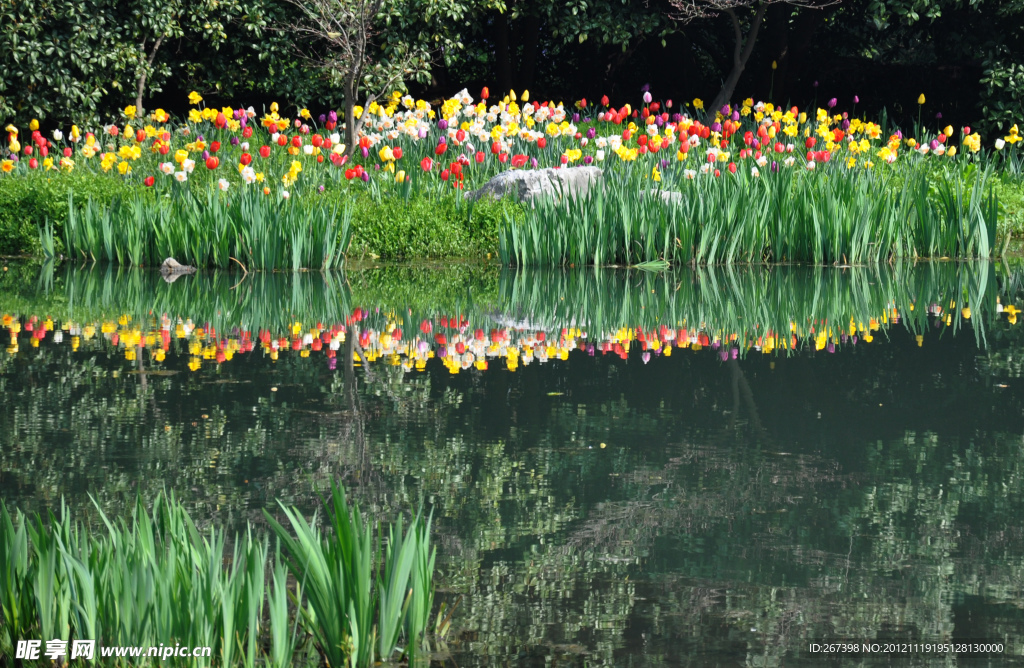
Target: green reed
x,y
832,215
157,579
211,229
749,301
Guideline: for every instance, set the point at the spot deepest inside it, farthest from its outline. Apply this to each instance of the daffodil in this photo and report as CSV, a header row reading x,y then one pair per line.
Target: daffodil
x,y
194,98
1013,137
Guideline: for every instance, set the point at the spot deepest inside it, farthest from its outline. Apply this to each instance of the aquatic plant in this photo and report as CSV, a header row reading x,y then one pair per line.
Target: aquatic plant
x,y
156,579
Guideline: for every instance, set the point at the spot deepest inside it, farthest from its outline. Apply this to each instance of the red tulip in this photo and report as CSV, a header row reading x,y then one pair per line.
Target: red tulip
x,y
495,148
542,142
604,100
479,157
296,141
440,149
503,158
397,152
245,159
140,136
519,160
811,141
264,151
427,164
214,146
317,141
282,140
212,162
247,132
33,163
67,152
149,181
484,94
445,174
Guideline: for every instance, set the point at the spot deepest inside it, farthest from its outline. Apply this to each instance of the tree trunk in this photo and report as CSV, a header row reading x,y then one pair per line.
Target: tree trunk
x,y
351,136
528,63
741,54
501,54
140,84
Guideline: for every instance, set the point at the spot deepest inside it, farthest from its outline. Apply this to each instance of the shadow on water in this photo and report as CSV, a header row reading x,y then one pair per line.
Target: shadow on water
x,y
712,467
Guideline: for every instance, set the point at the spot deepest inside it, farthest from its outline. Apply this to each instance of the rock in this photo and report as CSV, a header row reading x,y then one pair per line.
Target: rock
x,y
667,196
172,266
172,270
528,184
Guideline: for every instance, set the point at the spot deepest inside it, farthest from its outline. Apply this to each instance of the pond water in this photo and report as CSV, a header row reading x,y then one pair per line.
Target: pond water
x,y
709,467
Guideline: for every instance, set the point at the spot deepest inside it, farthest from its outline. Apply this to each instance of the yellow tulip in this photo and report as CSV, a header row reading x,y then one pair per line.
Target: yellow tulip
x,y
920,98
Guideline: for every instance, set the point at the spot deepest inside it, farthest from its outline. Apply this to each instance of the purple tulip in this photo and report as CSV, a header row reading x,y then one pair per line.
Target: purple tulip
x,y
856,99
726,110
422,346
664,163
442,140
676,118
200,138
899,133
236,114
591,132
723,355
234,141
775,166
659,121
735,116
934,144
645,88
938,116
815,84
206,156
366,153
853,340
533,162
831,347
366,177
588,159
575,118
442,124
843,338
14,157
322,118
735,353
832,103
321,188
716,127
332,363
332,116
422,133
646,357
442,352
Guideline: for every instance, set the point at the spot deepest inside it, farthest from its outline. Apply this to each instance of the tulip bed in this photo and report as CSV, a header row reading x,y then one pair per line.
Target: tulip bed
x,y
750,183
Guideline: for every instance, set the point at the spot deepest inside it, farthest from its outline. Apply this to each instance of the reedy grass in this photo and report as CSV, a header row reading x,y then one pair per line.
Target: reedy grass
x,y
833,215
157,579
210,229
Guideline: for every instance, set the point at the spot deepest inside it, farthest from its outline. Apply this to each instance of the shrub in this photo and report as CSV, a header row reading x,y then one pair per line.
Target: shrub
x,y
26,203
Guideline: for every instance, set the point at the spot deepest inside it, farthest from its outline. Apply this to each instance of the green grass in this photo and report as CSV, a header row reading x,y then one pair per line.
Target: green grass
x,y
156,578
830,216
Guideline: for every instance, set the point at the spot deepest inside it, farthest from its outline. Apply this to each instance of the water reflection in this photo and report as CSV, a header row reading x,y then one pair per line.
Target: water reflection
x,y
594,509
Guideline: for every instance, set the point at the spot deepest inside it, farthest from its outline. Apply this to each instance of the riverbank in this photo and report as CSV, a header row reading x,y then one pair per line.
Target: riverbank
x,y
757,183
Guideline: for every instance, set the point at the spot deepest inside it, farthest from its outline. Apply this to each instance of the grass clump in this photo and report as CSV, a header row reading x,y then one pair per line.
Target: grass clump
x,y
156,579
